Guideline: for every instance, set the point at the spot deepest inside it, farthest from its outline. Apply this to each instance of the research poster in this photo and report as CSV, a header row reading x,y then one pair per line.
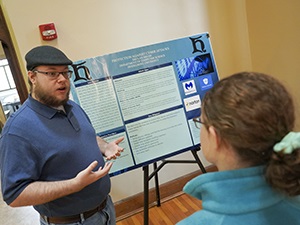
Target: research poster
x,y
149,95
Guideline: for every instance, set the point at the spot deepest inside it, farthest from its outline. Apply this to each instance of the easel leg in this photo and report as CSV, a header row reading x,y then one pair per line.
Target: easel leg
x,y
194,152
156,185
146,194
155,173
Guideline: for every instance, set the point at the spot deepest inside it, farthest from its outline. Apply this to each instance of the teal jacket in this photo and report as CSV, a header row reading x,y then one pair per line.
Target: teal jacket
x,y
240,197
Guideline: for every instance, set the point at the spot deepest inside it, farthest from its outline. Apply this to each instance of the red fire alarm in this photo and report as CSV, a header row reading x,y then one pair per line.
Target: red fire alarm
x,y
48,31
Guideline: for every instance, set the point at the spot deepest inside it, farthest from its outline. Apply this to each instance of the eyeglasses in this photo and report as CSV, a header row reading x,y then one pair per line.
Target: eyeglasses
x,y
55,75
198,122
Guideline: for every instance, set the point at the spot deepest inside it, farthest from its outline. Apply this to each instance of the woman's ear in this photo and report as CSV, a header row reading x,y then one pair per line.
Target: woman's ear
x,y
215,138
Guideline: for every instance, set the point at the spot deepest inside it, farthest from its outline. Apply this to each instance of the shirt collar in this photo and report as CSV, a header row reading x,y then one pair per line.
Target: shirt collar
x,y
45,110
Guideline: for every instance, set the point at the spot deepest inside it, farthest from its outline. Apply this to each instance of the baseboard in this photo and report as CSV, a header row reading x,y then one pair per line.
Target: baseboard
x,y
134,204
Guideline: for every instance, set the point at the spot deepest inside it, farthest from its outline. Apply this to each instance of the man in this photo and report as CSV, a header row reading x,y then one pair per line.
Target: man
x,y
49,152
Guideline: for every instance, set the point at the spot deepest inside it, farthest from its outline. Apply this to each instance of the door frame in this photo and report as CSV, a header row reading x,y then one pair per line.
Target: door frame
x,y
12,58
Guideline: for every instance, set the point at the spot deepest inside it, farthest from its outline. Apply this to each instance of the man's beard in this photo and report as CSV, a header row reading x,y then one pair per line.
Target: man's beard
x,y
49,100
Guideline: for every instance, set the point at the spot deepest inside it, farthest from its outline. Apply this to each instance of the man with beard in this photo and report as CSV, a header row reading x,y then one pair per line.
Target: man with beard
x,y
50,155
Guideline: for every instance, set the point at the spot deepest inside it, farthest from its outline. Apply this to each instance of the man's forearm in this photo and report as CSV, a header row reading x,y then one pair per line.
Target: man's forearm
x,y
42,192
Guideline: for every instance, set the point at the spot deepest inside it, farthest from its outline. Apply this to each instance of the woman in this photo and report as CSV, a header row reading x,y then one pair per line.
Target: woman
x,y
246,131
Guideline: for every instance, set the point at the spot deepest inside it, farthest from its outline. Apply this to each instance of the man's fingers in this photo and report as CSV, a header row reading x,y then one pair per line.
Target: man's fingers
x,y
111,157
106,167
92,165
119,140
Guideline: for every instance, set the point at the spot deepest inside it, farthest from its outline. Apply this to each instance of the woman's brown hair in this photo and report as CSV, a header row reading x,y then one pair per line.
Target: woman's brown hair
x,y
252,112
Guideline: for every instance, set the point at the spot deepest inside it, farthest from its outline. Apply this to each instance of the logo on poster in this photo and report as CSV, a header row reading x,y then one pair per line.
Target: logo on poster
x,y
85,70
198,44
206,82
192,103
189,87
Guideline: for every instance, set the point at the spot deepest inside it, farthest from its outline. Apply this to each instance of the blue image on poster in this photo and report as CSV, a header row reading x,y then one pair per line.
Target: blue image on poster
x,y
192,67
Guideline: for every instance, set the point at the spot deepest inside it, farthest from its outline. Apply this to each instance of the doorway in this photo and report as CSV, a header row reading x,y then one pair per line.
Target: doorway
x,y
9,96
13,87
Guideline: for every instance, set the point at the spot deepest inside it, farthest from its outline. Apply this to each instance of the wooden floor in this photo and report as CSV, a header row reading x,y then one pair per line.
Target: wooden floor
x,y
171,211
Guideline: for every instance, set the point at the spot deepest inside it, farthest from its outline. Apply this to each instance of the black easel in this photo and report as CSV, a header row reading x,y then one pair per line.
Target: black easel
x,y
154,174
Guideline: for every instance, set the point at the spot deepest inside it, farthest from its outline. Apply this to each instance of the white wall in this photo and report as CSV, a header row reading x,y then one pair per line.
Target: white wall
x,y
97,27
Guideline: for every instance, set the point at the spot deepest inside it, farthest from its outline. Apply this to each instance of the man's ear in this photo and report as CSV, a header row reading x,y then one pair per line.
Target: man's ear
x,y
215,138
31,76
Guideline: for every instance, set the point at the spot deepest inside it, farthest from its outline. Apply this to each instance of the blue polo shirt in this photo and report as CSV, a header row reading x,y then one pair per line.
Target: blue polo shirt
x,y
38,143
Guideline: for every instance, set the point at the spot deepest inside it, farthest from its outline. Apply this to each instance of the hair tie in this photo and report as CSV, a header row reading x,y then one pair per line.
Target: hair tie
x,y
289,143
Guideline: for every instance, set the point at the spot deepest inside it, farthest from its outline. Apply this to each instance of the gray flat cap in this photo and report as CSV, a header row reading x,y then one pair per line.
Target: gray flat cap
x,y
45,55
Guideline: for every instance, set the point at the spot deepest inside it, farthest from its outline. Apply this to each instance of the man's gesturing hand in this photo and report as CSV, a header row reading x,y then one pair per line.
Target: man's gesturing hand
x,y
88,176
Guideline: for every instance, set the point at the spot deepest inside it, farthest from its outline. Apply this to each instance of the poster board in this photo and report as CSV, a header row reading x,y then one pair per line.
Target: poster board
x,y
149,95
